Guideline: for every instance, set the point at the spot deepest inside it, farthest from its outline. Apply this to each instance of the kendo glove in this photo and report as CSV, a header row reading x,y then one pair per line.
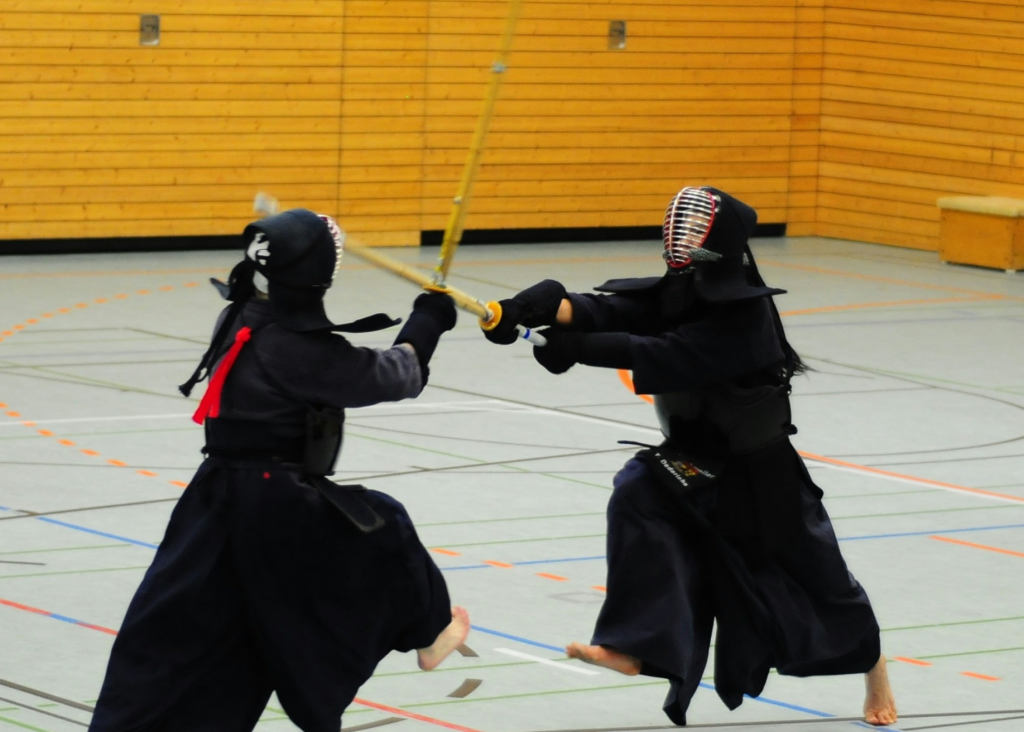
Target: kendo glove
x,y
533,307
566,348
433,313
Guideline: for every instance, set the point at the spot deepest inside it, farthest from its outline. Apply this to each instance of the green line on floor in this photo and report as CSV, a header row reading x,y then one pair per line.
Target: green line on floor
x,y
974,653
22,725
934,510
77,571
531,693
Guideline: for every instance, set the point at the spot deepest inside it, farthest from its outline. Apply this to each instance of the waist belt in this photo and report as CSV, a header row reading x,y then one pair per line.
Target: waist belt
x,y
248,440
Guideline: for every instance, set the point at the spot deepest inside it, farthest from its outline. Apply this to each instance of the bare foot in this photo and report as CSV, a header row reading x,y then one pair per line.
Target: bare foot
x,y
606,657
879,704
447,640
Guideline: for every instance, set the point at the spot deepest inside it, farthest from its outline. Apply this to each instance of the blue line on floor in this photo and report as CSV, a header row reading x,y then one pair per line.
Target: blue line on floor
x,y
558,649
527,641
935,531
104,534
467,566
556,561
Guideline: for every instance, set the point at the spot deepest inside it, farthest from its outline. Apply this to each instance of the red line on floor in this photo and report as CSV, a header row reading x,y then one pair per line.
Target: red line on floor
x,y
912,478
978,546
913,661
413,715
983,677
554,577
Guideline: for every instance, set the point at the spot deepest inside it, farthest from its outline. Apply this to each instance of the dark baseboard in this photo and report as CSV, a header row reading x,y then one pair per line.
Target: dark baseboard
x,y
427,238
570,235
120,244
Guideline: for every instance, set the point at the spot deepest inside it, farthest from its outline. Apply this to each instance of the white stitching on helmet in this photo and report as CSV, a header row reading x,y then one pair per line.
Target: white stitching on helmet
x,y
338,234
688,221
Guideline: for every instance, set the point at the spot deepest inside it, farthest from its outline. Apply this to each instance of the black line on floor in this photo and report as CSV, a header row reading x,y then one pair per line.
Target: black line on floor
x,y
371,725
455,438
201,342
818,720
37,710
963,724
10,561
951,460
467,466
88,508
94,465
91,363
44,695
611,422
69,379
860,391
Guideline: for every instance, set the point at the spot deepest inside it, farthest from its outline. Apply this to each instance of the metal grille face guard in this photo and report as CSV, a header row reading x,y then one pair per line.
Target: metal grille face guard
x,y
688,222
339,242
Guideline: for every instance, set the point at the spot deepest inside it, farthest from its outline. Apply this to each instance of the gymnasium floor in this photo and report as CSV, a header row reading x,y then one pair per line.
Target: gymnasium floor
x,y
912,423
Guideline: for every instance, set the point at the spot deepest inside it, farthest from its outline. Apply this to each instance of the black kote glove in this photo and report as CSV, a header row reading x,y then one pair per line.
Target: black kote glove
x,y
566,348
535,306
432,314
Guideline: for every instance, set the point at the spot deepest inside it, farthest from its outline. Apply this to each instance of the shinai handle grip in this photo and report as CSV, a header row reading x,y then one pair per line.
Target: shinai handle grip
x,y
494,317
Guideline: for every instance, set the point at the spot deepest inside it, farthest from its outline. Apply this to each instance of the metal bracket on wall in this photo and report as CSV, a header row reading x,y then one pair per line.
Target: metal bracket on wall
x,y
616,35
149,30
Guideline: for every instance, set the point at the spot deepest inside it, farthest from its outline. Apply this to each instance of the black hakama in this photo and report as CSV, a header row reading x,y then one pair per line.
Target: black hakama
x,y
672,573
261,585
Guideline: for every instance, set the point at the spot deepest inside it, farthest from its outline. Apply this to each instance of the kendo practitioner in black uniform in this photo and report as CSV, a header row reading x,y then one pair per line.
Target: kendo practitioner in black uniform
x,y
721,522
270,576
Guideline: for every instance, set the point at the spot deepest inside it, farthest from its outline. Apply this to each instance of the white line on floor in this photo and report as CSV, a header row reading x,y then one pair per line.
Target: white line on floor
x,y
547,662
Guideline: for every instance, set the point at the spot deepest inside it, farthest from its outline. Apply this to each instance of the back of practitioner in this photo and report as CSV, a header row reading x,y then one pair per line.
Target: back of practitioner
x,y
270,576
721,522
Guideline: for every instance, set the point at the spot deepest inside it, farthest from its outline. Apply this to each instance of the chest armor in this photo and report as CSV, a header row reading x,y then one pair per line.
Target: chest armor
x,y
724,419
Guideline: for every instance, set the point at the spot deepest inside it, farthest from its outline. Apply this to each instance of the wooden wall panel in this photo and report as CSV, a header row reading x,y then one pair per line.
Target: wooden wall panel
x,y
587,136
365,108
102,137
920,99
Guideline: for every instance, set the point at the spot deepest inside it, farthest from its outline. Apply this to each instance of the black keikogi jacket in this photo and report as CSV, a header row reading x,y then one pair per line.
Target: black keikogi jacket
x,y
779,590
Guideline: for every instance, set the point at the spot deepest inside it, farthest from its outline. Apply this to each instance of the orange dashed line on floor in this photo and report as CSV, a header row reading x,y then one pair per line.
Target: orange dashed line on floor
x,y
14,414
191,284
913,661
983,677
82,305
494,563
446,552
69,443
147,473
19,327
167,288
45,433
90,452
63,310
29,424
31,321
120,296
179,483
47,315
118,463
554,577
100,300
599,588
8,332
143,292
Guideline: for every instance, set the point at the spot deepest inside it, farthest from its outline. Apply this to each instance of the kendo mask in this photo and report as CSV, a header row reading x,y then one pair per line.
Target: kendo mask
x,y
705,232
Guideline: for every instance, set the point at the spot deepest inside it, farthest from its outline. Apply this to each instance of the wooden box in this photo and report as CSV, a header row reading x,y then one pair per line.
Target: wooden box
x,y
987,231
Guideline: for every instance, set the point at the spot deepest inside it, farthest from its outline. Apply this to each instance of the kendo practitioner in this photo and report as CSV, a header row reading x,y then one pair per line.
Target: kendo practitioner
x,y
721,522
270,576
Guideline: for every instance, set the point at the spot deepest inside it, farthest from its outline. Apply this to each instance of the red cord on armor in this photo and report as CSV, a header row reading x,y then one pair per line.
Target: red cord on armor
x,y
210,405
